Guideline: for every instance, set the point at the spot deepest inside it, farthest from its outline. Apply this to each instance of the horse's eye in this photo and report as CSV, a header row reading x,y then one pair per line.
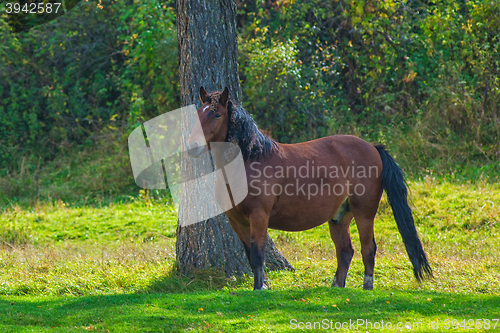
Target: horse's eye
x,y
217,116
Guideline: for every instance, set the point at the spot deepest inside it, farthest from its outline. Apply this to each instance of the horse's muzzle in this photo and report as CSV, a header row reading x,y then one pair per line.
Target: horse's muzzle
x,y
195,149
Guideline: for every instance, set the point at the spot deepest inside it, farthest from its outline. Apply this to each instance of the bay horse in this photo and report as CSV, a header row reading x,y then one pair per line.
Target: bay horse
x,y
354,172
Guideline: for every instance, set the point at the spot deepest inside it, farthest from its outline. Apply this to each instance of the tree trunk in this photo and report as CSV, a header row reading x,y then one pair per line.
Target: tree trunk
x,y
208,56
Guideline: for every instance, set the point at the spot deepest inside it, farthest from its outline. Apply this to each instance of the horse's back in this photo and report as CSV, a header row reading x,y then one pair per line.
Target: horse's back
x,y
352,146
348,148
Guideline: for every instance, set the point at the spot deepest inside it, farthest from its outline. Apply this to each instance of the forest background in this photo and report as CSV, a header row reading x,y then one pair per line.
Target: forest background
x,y
421,77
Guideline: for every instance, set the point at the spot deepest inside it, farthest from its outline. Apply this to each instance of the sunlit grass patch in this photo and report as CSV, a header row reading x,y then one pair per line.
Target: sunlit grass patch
x,y
58,222
84,269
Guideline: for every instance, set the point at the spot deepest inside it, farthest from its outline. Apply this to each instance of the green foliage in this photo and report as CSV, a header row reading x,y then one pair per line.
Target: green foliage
x,y
91,71
150,74
274,70
421,77
34,13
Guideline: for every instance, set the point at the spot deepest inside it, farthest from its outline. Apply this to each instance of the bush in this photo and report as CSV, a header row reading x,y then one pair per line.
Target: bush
x,y
421,77
91,70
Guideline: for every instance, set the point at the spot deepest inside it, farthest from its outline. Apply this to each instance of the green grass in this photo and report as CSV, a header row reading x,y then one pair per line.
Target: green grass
x,y
111,268
239,311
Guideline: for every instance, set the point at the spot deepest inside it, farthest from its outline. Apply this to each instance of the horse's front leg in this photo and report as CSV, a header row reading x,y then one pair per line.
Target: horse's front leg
x,y
259,221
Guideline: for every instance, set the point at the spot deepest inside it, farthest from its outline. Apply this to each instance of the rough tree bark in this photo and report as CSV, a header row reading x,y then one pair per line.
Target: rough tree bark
x,y
208,55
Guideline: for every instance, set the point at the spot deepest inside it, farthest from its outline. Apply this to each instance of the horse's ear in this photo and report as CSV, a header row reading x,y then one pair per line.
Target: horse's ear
x,y
203,95
224,97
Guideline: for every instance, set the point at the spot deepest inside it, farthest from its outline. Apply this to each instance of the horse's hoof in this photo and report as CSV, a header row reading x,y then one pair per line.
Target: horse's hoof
x,y
265,286
335,285
368,283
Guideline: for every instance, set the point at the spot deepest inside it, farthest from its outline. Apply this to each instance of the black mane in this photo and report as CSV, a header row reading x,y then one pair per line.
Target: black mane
x,y
244,132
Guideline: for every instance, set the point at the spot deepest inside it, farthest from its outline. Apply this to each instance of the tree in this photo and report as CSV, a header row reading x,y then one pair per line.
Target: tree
x,y
208,55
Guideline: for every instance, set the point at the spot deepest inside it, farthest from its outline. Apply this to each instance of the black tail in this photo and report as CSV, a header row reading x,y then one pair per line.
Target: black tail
x,y
394,184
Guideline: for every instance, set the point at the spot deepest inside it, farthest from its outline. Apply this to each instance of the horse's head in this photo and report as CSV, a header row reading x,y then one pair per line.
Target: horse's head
x,y
213,125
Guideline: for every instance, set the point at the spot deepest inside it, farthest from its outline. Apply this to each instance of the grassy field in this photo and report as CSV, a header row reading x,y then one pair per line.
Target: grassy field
x,y
110,268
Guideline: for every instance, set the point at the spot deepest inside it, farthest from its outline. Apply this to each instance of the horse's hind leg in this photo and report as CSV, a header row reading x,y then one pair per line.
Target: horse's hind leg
x,y
341,236
368,250
365,215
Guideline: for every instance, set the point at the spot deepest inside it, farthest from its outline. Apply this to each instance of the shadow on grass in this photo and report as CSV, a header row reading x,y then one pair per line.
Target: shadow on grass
x,y
239,311
200,280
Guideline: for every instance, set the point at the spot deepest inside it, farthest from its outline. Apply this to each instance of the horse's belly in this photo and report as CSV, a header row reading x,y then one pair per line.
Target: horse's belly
x,y
297,224
304,216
